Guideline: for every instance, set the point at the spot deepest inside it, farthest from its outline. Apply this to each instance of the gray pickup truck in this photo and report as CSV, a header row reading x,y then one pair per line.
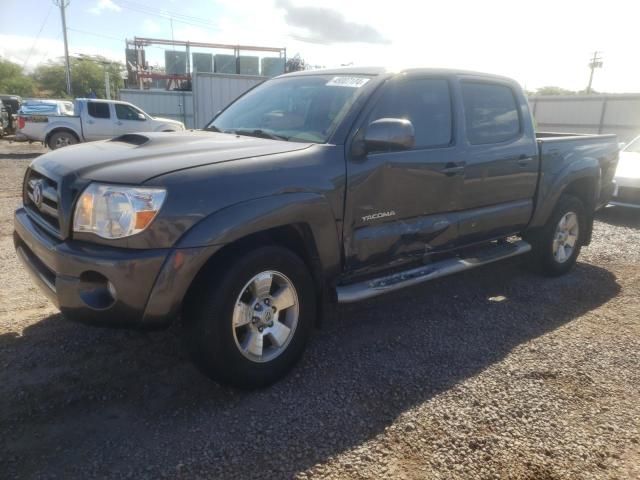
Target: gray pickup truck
x,y
311,189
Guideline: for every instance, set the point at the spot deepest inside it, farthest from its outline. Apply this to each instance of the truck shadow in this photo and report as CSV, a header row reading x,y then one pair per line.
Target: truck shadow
x,y
620,216
116,402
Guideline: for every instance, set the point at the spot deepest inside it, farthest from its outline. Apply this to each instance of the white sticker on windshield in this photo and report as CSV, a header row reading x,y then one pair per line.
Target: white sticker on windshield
x,y
352,82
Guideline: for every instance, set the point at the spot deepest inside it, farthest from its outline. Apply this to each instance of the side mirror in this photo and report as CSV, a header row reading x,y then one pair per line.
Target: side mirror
x,y
141,117
389,134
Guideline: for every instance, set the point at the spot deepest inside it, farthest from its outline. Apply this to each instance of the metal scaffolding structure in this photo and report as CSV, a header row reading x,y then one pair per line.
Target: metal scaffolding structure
x,y
138,68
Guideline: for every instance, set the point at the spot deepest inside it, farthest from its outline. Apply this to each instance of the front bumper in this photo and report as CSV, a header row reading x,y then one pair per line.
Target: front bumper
x,y
626,193
105,285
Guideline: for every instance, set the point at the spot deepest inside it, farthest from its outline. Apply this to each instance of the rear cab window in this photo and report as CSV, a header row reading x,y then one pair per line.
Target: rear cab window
x,y
490,111
98,110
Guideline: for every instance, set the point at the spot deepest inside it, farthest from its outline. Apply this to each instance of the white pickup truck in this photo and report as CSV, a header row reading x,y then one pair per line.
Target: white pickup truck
x,y
92,120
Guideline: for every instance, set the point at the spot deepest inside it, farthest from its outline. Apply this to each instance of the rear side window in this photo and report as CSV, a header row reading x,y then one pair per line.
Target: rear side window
x,y
491,113
425,102
98,110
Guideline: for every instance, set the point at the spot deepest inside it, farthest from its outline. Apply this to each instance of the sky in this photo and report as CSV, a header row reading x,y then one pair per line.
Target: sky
x,y
538,43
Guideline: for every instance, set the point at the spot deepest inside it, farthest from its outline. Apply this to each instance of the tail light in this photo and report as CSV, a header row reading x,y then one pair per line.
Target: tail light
x,y
20,123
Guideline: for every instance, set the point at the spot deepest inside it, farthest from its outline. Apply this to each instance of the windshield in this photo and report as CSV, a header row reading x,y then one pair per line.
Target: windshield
x,y
634,146
303,108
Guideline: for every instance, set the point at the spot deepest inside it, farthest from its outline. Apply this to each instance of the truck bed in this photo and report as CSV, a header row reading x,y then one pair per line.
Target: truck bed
x,y
568,156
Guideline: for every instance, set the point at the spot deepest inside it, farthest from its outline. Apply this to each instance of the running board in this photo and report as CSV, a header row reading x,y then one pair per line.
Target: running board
x,y
377,286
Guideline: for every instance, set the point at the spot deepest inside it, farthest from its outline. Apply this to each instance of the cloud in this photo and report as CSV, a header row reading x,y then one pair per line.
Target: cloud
x,y
104,5
16,48
327,26
151,26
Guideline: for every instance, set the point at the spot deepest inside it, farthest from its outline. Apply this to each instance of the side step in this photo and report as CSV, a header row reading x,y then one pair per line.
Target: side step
x,y
377,286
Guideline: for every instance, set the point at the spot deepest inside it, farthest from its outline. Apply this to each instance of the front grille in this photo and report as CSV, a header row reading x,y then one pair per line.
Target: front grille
x,y
41,199
628,195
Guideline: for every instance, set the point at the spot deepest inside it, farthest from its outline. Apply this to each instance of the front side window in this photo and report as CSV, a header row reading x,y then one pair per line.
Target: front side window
x,y
491,113
305,108
98,110
127,112
425,102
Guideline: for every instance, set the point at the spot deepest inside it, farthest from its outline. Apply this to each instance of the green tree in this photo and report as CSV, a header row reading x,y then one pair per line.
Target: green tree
x,y
87,75
552,90
14,81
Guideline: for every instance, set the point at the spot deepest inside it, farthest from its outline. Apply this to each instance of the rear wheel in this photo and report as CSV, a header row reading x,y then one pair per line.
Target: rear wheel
x,y
62,139
252,320
557,245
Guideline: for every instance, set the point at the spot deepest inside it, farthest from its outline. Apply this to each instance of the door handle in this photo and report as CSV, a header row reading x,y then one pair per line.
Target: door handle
x,y
118,122
452,168
523,160
90,122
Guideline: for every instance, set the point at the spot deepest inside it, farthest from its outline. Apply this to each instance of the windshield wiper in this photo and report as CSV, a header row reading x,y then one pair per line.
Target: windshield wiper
x,y
212,128
257,133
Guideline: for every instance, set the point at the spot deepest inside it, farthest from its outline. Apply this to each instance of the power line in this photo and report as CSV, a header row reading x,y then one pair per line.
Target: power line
x,y
177,17
37,37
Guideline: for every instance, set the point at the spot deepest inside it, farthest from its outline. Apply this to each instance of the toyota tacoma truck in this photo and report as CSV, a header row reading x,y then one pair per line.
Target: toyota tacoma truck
x,y
62,123
313,188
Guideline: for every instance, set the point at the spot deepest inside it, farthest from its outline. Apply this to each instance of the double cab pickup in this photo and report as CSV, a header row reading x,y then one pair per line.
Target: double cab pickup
x,y
313,188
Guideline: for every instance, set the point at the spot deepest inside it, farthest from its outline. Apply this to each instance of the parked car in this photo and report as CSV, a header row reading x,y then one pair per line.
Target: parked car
x,y
12,104
4,120
92,120
627,189
312,188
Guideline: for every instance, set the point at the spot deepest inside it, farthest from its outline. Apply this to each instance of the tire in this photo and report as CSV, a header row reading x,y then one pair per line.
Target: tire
x,y
61,139
224,343
556,246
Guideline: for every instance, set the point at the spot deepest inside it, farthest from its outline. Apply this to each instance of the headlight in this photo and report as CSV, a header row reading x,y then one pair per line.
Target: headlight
x,y
114,211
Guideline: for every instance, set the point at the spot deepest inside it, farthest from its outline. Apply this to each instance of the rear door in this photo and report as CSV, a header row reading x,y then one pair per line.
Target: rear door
x,y
501,172
129,119
98,123
399,204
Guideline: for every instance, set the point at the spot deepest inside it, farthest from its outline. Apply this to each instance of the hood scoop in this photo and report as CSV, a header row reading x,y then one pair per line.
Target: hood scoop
x,y
131,139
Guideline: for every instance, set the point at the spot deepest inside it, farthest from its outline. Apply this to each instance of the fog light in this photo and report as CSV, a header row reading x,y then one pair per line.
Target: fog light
x,y
96,291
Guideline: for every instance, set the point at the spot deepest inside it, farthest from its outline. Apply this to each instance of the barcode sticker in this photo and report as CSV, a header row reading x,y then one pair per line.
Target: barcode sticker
x,y
351,82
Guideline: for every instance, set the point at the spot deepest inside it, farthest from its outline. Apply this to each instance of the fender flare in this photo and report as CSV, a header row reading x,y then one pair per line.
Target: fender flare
x,y
262,214
549,194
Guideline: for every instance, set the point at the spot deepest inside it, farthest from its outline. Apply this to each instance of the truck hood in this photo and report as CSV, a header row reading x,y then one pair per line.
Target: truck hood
x,y
136,158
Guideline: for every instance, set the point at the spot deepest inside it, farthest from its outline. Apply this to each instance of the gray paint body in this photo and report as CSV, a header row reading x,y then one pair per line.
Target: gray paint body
x,y
222,188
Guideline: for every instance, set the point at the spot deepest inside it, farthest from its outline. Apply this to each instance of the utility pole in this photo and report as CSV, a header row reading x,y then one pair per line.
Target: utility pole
x,y
64,4
596,62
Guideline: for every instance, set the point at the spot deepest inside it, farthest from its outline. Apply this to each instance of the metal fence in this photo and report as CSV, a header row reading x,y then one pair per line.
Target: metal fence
x,y
619,114
214,91
162,103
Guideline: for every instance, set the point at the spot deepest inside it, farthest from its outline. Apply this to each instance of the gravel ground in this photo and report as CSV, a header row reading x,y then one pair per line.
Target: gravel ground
x,y
494,373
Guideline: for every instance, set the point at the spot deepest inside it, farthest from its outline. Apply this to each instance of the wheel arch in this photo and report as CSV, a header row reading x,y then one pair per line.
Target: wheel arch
x,y
301,222
55,130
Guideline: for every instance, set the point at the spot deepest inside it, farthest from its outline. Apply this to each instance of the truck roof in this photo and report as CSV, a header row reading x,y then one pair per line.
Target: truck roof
x,y
375,71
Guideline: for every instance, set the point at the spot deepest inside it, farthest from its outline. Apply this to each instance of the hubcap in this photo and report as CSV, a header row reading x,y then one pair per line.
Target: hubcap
x,y
265,316
63,141
566,237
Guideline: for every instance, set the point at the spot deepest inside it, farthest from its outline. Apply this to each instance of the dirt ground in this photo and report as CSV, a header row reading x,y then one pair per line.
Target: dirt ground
x,y
494,373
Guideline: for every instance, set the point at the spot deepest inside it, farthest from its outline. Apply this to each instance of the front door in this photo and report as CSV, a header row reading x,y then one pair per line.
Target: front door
x,y
98,124
399,203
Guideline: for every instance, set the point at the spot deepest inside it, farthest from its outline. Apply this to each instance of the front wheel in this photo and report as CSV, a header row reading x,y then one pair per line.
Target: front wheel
x,y
252,320
555,247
